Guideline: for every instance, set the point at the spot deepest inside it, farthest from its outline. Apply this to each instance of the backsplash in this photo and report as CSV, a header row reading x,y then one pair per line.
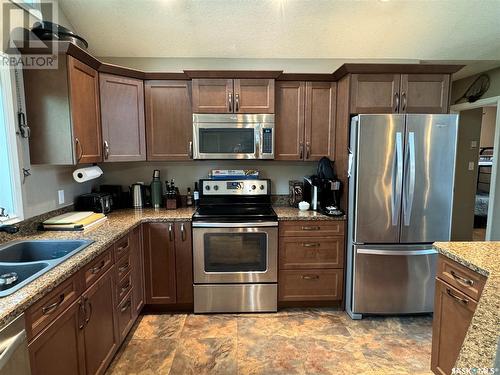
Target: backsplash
x,y
186,173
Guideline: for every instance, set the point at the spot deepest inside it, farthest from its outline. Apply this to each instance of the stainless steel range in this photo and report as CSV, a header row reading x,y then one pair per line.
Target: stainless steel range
x,y
235,247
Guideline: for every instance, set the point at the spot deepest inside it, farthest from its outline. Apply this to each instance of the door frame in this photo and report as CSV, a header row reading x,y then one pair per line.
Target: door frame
x,y
492,232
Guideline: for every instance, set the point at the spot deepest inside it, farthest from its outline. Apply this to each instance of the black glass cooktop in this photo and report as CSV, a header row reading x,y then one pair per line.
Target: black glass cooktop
x,y
235,213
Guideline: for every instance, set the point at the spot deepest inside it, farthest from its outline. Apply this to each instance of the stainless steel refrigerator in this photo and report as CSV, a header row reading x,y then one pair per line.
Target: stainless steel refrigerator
x,y
401,178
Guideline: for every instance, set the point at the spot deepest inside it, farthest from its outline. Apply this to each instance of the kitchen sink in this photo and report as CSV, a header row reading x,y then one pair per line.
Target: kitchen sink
x,y
23,261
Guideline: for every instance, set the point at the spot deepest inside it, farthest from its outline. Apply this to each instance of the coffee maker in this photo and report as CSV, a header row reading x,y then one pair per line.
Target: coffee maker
x,y
322,190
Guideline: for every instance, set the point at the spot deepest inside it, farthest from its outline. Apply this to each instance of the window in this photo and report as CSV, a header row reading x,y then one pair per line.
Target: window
x,y
33,7
10,178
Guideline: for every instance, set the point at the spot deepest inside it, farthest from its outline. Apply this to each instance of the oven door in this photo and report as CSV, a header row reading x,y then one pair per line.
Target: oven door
x,y
226,140
235,253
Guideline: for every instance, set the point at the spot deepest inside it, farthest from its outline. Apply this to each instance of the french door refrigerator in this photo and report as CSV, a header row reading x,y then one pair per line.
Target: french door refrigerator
x,y
401,180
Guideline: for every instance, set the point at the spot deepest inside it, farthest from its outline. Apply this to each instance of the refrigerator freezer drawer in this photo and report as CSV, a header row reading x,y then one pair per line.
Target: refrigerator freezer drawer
x,y
395,279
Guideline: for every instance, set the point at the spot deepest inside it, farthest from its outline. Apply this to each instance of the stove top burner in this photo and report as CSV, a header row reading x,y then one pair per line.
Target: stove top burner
x,y
235,213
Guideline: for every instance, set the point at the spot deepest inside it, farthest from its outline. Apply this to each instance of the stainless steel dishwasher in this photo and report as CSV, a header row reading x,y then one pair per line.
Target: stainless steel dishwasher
x,y
14,358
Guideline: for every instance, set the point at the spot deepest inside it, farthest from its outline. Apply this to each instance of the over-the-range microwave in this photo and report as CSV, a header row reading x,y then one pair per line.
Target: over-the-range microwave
x,y
233,136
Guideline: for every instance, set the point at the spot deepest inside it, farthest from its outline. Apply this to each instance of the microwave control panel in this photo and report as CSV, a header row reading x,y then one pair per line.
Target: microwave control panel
x,y
267,141
236,187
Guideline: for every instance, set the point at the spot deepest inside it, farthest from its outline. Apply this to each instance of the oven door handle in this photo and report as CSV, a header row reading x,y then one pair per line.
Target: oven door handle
x,y
203,224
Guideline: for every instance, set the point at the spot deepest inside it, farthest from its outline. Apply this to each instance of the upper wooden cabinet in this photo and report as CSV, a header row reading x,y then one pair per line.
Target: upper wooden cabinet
x,y
122,118
233,95
305,120
169,120
63,112
399,93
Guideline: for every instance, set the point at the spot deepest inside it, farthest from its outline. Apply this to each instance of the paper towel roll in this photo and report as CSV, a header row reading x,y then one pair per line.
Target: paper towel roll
x,y
86,174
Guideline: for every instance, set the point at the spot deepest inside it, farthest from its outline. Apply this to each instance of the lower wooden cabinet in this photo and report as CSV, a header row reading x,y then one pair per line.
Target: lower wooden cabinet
x,y
125,316
100,336
457,293
168,267
137,273
311,262
63,336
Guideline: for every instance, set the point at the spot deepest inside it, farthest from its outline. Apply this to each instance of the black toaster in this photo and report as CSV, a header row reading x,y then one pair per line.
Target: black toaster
x,y
97,202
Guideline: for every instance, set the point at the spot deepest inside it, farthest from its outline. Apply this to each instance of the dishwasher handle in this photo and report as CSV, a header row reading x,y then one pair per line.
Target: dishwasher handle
x,y
9,347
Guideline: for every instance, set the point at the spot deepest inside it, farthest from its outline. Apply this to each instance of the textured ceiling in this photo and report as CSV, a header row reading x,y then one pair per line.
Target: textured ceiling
x,y
415,30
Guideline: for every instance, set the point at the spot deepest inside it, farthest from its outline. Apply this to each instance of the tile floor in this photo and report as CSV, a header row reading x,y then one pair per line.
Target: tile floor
x,y
295,341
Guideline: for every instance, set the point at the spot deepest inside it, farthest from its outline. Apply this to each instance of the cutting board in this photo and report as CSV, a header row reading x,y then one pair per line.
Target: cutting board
x,y
69,218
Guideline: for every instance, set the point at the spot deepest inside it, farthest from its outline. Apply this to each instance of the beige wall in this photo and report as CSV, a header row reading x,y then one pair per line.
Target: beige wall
x,y
488,126
186,173
469,129
458,87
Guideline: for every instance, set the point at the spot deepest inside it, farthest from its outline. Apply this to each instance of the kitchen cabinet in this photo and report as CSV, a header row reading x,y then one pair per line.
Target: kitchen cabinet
x,y
63,109
305,120
311,262
399,93
168,264
457,292
159,263
122,118
137,273
99,332
169,120
233,95
63,336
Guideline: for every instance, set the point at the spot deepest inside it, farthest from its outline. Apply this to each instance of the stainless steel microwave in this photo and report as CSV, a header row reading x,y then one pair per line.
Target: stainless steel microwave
x,y
233,136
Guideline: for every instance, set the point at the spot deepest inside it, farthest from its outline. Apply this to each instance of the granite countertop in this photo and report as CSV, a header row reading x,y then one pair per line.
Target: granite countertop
x,y
118,223
480,344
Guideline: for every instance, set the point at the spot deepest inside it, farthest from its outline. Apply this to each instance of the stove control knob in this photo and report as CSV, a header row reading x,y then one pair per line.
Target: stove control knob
x,y
207,187
254,187
216,187
261,187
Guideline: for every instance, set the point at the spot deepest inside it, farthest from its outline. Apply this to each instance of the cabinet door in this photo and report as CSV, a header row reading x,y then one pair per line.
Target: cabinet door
x,y
375,93
320,120
290,105
137,258
101,338
85,113
254,95
213,96
184,262
122,117
159,262
310,285
169,120
63,335
425,93
453,313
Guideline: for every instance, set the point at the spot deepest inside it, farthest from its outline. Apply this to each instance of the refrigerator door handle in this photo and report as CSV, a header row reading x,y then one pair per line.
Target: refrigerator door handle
x,y
410,189
396,252
398,184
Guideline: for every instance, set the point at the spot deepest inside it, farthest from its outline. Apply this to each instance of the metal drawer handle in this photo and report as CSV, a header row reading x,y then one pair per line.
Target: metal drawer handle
x,y
122,247
98,268
48,309
310,277
170,232
106,150
461,280
396,97
237,102
126,306
81,321
230,96
311,228
403,97
463,300
311,244
78,145
183,232
87,318
124,267
125,287
190,149
301,147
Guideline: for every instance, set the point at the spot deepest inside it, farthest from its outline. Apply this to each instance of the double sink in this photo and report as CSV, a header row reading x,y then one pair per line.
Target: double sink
x,y
23,261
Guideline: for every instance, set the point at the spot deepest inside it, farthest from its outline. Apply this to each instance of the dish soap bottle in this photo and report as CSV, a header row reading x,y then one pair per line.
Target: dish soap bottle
x,y
156,193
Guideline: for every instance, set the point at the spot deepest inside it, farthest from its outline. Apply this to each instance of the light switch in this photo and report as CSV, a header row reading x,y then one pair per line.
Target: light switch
x,y
60,196
471,166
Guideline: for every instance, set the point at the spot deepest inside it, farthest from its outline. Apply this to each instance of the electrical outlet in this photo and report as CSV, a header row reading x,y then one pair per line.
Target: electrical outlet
x,y
60,196
473,145
471,166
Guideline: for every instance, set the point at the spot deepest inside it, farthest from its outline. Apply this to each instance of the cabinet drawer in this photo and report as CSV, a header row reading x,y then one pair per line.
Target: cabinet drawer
x,y
95,269
123,266
49,307
308,252
460,277
310,285
122,246
123,287
125,316
308,228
